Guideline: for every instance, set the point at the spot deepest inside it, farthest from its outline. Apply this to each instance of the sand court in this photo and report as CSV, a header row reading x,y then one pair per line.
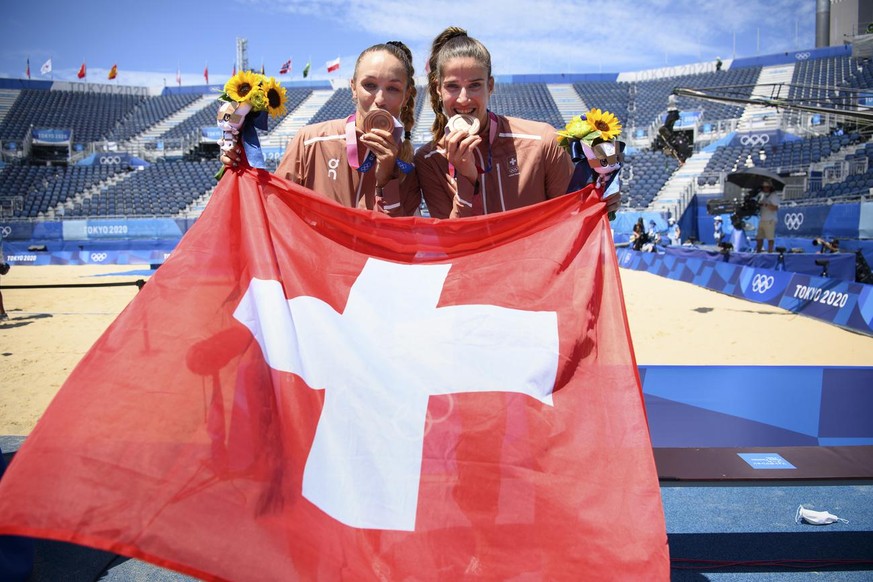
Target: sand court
x,y
671,322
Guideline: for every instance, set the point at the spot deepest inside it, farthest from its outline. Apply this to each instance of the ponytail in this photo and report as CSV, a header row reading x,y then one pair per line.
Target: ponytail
x,y
451,43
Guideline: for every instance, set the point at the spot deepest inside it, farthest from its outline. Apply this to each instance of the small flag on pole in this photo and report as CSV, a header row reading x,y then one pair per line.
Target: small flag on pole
x,y
206,73
262,69
233,72
81,74
46,67
333,65
28,68
306,69
113,72
179,75
285,68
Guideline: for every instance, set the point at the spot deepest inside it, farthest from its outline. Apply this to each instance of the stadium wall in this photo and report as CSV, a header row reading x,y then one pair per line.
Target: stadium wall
x,y
842,303
559,78
843,221
19,84
793,57
218,88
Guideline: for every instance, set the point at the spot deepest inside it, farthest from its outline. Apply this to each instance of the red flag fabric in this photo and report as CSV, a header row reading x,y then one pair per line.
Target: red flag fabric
x,y
28,68
81,73
285,68
113,72
463,401
333,65
206,73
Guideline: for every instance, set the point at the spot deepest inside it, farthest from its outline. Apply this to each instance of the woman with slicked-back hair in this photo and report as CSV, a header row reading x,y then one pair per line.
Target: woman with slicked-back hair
x,y
355,162
479,162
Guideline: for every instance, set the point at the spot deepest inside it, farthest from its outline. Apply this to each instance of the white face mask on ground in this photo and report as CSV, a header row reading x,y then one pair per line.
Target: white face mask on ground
x,y
816,517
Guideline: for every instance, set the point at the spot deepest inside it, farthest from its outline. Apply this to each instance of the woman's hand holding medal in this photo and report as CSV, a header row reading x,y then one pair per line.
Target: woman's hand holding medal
x,y
461,139
378,137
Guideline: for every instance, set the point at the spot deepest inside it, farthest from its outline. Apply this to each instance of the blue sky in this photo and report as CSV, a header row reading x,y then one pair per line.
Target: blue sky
x,y
150,40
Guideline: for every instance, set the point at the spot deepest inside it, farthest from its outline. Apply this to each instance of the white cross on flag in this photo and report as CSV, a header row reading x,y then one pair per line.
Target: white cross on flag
x,y
306,391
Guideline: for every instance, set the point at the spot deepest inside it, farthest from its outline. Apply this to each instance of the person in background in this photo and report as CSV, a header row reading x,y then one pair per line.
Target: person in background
x,y
341,161
652,232
638,237
768,201
718,230
507,163
674,233
4,268
827,247
672,112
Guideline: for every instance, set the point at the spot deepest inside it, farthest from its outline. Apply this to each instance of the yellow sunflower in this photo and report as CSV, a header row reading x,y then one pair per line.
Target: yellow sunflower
x,y
242,86
276,96
604,122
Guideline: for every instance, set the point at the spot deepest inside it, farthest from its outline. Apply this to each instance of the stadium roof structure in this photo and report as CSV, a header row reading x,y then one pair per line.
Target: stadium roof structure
x,y
844,101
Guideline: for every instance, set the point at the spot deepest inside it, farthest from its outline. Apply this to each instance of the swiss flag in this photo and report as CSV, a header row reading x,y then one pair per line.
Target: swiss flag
x,y
455,399
81,73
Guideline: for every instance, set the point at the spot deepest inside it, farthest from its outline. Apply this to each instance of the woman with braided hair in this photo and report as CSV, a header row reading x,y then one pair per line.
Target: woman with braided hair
x,y
356,162
478,162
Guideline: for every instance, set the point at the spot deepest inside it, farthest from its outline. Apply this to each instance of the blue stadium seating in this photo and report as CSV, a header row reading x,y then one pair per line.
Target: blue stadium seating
x,y
91,116
526,100
150,112
167,187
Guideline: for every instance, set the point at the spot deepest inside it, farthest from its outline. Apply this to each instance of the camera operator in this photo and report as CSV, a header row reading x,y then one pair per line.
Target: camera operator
x,y
825,246
768,202
639,237
672,112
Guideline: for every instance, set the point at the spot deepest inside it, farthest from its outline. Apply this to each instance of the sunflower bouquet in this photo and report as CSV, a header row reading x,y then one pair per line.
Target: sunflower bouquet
x,y
592,136
248,98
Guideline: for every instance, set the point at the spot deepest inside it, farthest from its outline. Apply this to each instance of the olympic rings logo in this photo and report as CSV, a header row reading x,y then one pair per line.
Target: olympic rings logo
x,y
755,139
762,283
5,231
802,56
793,220
98,257
109,160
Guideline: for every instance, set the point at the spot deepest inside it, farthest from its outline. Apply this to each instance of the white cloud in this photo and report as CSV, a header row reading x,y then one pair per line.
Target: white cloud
x,y
577,35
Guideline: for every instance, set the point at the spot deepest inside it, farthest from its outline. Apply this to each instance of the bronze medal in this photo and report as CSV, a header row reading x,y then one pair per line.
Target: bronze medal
x,y
466,123
378,119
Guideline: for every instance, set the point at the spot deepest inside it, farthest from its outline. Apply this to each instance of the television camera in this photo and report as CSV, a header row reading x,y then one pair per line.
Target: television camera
x,y
678,144
740,207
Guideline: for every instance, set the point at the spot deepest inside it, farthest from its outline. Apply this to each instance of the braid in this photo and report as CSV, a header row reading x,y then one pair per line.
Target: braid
x,y
407,112
407,117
